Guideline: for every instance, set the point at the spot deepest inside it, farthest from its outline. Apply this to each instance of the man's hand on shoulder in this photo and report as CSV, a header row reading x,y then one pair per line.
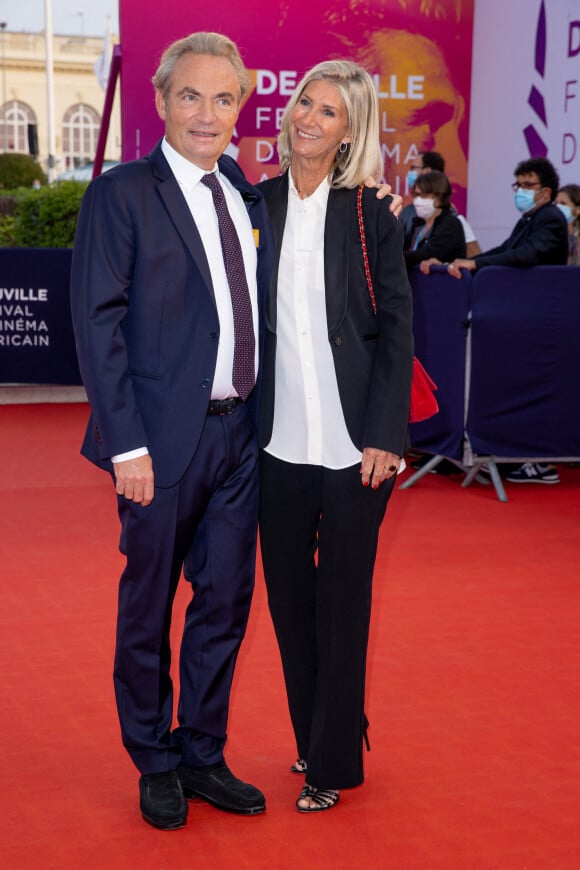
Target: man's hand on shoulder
x,y
385,190
134,479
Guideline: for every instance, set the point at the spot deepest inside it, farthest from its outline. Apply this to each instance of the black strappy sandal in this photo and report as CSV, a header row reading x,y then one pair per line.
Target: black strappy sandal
x,y
323,799
299,766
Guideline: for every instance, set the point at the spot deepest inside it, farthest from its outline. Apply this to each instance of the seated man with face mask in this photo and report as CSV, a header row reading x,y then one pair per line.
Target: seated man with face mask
x,y
540,237
436,232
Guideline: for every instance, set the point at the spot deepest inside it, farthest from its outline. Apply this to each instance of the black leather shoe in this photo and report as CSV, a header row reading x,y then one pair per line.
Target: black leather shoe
x,y
217,785
162,802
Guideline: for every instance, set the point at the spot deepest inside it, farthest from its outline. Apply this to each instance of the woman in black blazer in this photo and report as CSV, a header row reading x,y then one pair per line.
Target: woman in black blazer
x,y
436,232
335,406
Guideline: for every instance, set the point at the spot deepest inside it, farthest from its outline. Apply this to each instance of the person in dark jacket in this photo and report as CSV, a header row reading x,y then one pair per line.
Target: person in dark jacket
x,y
172,384
338,359
429,161
436,232
540,237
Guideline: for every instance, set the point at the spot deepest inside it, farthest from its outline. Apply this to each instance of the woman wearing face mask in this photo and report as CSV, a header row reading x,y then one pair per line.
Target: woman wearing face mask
x,y
436,233
568,201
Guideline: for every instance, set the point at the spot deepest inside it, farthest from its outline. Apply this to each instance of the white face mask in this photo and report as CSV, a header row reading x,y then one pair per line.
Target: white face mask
x,y
424,207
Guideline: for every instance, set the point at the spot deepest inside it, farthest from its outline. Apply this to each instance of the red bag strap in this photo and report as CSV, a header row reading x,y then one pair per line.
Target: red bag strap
x,y
363,241
423,402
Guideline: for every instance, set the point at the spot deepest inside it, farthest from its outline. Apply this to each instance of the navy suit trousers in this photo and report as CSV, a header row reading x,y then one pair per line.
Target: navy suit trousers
x,y
205,525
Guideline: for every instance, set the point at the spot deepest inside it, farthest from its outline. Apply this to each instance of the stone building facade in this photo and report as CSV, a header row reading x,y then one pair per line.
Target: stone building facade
x,y
78,99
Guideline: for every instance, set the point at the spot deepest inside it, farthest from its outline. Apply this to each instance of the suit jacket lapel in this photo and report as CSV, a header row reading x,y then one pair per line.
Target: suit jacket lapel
x,y
336,244
180,214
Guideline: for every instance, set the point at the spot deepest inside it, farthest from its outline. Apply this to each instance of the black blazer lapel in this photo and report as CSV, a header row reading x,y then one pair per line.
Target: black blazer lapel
x,y
336,245
277,209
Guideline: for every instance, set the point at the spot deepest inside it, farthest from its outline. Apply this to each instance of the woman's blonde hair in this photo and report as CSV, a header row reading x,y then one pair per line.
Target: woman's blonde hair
x,y
363,155
215,44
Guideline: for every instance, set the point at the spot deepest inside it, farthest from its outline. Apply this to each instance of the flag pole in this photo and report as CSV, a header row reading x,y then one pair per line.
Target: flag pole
x,y
49,90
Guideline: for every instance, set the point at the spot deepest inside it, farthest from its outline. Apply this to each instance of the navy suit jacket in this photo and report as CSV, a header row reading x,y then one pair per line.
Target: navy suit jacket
x,y
373,354
538,239
144,312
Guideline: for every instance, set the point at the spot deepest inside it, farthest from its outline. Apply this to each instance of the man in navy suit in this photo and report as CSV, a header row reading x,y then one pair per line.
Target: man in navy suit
x,y
540,237
154,312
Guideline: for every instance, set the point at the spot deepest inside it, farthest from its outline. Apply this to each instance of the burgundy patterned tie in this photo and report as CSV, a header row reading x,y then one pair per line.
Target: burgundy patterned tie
x,y
243,374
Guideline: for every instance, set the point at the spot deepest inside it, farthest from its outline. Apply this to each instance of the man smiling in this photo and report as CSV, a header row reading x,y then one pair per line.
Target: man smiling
x,y
169,274
200,120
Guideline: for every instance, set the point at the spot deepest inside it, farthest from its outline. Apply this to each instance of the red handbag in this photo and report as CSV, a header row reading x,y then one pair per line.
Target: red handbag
x,y
423,402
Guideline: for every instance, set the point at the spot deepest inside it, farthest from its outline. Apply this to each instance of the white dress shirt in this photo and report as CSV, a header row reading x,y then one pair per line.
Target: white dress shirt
x,y
309,425
200,202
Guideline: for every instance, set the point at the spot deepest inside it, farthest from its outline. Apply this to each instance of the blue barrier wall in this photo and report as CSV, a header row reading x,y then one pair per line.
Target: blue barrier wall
x,y
513,387
440,312
36,339
521,365
524,390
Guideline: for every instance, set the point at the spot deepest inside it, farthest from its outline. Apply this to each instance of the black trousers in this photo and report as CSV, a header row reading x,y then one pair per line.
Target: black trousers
x,y
206,525
318,533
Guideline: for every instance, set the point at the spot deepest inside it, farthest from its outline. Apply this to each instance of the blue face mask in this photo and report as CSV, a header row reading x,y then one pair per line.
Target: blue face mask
x,y
524,199
411,178
566,211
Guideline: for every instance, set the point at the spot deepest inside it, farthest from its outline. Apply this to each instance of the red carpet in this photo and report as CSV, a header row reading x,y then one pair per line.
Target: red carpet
x,y
473,696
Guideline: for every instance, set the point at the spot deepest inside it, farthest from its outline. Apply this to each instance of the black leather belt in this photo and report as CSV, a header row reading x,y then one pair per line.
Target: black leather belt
x,y
220,407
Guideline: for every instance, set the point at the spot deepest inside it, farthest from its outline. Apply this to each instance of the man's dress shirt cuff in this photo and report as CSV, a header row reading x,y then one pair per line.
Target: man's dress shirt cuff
x,y
131,454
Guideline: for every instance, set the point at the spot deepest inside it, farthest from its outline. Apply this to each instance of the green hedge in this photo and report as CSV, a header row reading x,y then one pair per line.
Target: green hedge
x,y
19,170
44,218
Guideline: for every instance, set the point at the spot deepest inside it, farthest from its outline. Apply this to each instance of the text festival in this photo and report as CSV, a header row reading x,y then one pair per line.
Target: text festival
x,y
19,326
283,84
569,142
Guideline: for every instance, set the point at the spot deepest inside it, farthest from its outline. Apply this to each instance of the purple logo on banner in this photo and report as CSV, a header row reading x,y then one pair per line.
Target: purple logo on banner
x,y
536,145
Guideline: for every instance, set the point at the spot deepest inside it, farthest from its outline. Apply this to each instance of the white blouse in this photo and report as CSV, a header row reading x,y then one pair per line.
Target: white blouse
x,y
309,425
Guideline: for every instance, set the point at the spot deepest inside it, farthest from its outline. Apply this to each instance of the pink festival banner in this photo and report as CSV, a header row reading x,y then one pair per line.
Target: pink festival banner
x,y
418,51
